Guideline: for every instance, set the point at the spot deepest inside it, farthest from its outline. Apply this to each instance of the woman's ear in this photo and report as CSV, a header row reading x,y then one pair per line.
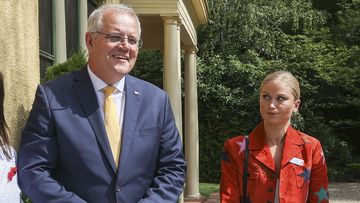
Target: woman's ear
x,y
296,105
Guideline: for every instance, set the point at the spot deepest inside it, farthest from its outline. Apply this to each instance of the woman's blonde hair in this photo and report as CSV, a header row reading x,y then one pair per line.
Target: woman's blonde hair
x,y
285,77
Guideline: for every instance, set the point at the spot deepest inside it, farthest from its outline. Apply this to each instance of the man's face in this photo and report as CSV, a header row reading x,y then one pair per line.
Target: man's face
x,y
112,52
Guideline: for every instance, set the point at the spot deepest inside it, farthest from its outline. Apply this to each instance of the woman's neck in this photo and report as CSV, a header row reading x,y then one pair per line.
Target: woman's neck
x,y
275,134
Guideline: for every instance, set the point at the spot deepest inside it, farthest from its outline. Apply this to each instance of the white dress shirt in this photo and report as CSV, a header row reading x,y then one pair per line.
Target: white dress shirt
x,y
119,95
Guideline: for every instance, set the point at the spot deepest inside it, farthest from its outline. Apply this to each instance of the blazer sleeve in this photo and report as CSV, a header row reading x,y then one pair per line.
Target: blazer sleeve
x,y
37,156
230,186
318,189
168,182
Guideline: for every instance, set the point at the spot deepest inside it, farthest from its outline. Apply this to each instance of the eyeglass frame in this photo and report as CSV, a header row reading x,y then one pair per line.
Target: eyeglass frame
x,y
109,36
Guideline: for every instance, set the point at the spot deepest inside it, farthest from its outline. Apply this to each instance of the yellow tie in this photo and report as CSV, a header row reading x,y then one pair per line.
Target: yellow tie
x,y
112,124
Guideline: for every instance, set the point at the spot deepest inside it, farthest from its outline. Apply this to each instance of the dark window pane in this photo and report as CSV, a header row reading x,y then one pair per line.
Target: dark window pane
x,y
46,60
45,25
72,22
46,35
92,5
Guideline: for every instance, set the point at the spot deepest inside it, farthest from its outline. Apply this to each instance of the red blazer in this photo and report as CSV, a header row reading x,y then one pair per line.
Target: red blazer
x,y
303,173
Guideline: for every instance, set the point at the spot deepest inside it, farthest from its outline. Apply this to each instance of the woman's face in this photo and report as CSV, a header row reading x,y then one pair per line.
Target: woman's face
x,y
277,103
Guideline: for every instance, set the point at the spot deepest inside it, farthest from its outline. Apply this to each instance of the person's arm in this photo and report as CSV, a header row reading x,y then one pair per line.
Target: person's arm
x,y
318,189
168,182
37,158
229,182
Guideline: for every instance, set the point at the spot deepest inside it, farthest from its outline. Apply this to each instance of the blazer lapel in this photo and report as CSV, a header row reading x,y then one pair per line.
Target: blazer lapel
x,y
87,96
133,98
293,145
258,147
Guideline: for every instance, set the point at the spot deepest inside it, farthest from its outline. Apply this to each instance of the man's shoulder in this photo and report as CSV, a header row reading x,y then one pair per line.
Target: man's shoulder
x,y
63,80
145,85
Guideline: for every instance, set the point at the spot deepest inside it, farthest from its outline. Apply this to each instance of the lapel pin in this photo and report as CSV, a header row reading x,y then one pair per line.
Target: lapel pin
x,y
136,93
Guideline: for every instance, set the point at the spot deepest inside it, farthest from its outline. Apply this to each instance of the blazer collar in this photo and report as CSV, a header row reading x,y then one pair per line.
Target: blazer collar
x,y
258,137
293,144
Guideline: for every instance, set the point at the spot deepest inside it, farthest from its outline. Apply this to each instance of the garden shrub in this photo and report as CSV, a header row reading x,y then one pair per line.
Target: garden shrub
x,y
74,62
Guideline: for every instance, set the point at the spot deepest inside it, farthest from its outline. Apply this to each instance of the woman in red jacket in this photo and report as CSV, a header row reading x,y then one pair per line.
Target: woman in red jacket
x,y
284,164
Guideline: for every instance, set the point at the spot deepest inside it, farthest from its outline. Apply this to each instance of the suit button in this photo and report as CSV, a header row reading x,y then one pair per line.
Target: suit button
x,y
117,188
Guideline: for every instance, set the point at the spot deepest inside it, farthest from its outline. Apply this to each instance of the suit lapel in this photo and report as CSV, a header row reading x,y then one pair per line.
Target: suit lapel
x,y
133,97
88,100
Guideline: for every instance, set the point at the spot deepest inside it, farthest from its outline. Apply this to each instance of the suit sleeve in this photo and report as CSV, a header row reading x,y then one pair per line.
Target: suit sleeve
x,y
168,182
318,191
37,156
229,182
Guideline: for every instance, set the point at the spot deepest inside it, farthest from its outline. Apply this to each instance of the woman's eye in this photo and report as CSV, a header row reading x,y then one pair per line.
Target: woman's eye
x,y
281,98
267,97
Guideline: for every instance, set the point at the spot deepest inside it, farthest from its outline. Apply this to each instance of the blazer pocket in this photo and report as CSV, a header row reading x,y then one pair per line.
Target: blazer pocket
x,y
60,108
302,176
149,131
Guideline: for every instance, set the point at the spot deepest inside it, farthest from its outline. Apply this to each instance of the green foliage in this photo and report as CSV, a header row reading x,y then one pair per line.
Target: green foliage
x,y
24,198
353,171
255,25
318,43
206,189
347,28
149,66
75,62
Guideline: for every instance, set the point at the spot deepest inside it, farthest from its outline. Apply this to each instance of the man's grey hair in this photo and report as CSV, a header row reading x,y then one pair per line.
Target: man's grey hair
x,y
95,22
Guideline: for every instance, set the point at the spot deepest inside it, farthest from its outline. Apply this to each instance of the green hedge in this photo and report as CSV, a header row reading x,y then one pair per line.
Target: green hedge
x,y
353,171
75,62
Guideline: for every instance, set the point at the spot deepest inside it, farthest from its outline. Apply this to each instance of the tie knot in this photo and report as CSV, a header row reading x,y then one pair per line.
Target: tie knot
x,y
108,90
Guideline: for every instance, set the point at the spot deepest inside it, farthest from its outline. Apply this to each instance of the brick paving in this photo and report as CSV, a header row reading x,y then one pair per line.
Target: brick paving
x,y
344,192
339,193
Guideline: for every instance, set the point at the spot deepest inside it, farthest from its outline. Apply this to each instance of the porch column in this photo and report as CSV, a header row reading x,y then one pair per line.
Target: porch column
x,y
82,23
172,70
60,32
191,125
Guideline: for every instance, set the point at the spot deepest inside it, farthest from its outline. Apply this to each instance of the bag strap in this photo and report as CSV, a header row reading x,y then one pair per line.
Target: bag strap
x,y
245,173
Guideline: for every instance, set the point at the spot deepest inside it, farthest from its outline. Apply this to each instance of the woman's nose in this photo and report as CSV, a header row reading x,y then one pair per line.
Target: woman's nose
x,y
272,105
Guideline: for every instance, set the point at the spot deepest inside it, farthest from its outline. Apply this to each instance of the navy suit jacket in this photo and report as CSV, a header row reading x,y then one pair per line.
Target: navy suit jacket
x,y
65,155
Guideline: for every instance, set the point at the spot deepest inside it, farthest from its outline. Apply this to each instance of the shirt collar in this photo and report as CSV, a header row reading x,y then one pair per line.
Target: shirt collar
x,y
100,84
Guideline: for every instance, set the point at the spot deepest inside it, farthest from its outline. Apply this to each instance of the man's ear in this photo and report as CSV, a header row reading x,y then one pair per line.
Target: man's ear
x,y
89,40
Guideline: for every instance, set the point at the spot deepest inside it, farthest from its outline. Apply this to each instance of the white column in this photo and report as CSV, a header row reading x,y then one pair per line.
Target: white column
x,y
191,125
172,70
82,8
60,31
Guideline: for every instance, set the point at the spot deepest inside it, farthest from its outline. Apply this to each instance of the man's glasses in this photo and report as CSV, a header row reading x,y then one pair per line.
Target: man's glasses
x,y
116,38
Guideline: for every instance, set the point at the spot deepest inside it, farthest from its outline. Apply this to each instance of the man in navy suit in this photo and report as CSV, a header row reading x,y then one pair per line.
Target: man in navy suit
x,y
65,153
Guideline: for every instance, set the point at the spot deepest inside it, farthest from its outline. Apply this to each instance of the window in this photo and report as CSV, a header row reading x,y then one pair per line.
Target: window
x,y
46,29
72,26
46,35
92,5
